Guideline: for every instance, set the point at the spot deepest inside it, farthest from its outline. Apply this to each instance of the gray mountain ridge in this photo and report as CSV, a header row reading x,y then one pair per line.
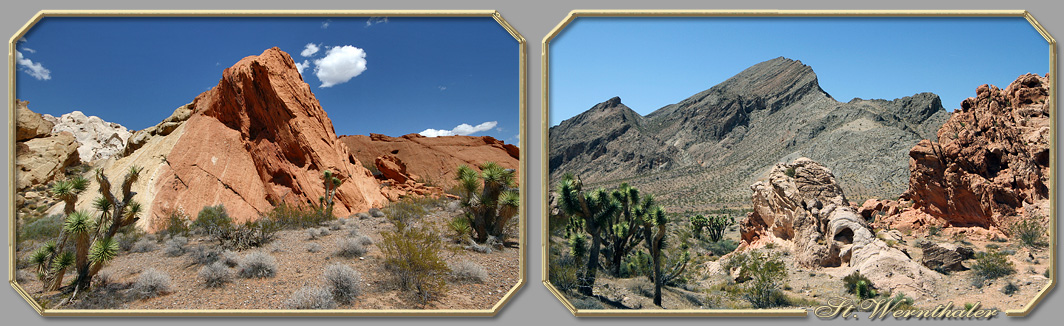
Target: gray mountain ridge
x,y
704,151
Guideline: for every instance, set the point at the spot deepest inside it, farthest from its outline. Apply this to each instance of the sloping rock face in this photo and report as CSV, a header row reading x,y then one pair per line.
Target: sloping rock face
x,y
97,139
801,207
431,160
40,156
989,164
162,129
29,124
257,139
729,136
608,141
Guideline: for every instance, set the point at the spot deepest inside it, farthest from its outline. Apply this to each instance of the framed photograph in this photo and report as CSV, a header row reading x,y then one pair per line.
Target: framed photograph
x,y
844,164
267,162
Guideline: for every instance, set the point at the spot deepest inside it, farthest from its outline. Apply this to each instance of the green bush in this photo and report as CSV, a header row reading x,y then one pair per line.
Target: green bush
x,y
722,247
298,216
990,265
563,273
765,275
859,285
412,255
404,212
1030,232
212,221
46,227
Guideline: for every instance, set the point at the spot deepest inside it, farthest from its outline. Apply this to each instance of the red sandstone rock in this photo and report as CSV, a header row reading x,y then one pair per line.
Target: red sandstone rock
x,y
257,139
991,158
392,167
434,160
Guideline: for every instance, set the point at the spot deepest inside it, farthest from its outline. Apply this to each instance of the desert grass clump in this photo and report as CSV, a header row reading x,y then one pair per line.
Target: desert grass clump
x,y
257,265
230,258
143,245
364,240
469,271
315,233
350,248
413,256
175,246
311,297
215,275
313,247
204,255
1010,288
151,283
344,282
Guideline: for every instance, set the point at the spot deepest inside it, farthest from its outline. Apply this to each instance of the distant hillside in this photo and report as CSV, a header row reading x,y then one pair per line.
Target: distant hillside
x,y
706,150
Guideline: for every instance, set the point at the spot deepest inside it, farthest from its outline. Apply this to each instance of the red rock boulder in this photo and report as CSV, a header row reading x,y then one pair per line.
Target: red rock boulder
x,y
257,139
434,160
990,163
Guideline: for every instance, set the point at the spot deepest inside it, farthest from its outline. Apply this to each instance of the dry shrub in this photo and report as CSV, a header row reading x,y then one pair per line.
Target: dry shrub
x,y
413,255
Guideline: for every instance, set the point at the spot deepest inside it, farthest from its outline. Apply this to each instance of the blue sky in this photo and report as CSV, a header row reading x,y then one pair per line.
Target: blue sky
x,y
419,72
653,62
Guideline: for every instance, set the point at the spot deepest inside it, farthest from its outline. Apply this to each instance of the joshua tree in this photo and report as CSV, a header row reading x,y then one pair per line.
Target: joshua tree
x,y
623,232
596,209
717,224
654,223
331,184
94,243
491,206
698,222
654,220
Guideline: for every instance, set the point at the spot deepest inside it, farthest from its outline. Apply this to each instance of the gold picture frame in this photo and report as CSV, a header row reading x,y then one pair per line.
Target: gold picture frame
x,y
522,143
545,126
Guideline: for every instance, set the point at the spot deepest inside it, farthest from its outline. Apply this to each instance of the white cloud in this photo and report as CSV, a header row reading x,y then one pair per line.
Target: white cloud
x,y
302,65
340,64
461,130
29,50
442,88
310,50
35,69
376,20
325,24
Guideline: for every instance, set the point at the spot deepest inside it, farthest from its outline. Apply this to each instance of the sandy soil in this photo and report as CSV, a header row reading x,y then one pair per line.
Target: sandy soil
x,y
297,267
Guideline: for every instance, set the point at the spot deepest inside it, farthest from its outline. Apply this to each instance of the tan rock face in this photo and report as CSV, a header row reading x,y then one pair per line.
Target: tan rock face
x,y
433,160
801,208
257,139
97,139
29,124
41,160
40,156
991,158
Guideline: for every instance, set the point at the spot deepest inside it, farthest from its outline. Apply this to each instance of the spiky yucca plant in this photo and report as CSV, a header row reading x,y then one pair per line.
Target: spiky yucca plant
x,y
489,199
94,243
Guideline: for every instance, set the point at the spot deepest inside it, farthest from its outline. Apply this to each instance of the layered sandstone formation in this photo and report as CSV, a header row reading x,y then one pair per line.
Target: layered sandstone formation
x,y
800,207
97,139
989,163
431,160
257,139
40,155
